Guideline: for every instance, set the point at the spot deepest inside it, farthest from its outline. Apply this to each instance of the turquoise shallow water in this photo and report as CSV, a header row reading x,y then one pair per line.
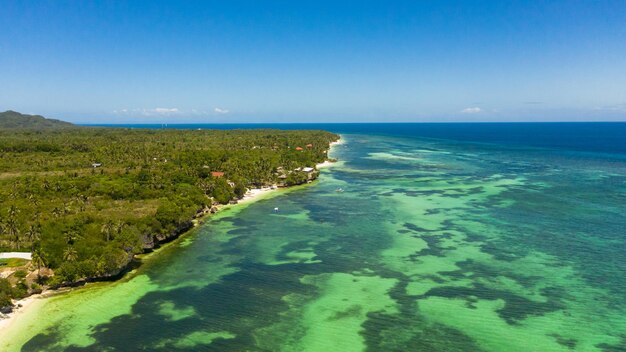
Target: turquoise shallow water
x,y
434,245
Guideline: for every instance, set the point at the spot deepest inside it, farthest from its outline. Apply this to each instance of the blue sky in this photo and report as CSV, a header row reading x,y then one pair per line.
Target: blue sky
x,y
314,61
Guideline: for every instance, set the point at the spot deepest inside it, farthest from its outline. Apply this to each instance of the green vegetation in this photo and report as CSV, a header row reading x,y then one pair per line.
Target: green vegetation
x,y
12,262
12,119
6,292
85,200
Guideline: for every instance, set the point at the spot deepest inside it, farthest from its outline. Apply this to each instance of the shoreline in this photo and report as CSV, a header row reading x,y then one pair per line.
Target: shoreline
x,y
21,306
27,303
255,194
328,163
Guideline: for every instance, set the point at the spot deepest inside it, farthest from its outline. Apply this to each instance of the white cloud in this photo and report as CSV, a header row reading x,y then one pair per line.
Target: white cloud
x,y
163,111
612,108
148,112
472,110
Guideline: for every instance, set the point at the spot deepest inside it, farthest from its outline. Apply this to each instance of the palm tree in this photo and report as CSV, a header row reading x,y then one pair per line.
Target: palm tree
x,y
13,211
56,212
71,237
119,227
82,202
70,254
3,230
206,186
107,229
36,215
33,234
66,207
38,259
14,232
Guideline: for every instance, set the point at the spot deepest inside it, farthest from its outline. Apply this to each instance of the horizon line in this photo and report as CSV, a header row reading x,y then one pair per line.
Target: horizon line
x,y
339,123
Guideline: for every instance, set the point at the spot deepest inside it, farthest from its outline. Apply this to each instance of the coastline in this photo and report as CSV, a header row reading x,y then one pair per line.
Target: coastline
x,y
256,194
324,164
21,307
27,304
328,163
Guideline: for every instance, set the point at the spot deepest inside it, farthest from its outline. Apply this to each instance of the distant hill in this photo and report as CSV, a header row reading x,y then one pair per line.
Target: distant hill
x,y
13,119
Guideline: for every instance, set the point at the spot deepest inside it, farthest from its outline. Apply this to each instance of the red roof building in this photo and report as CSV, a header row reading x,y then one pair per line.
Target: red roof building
x,y
298,148
309,145
217,174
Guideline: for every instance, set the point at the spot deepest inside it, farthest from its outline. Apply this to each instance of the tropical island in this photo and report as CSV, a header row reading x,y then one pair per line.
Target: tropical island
x,y
81,202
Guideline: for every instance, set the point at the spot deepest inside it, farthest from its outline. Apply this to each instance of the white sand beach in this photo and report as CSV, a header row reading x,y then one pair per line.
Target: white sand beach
x,y
6,320
256,193
328,163
324,164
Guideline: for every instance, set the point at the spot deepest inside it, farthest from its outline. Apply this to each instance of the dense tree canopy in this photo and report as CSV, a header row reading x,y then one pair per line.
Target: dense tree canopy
x,y
84,200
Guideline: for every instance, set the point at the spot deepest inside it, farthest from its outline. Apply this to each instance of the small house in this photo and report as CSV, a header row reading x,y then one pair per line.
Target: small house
x,y
307,169
309,145
95,165
217,174
299,148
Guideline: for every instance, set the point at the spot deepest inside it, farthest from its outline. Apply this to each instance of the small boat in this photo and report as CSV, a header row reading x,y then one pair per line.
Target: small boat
x,y
275,210
339,190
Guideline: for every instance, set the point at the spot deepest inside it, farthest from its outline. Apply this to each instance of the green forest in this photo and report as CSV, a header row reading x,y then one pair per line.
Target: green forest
x,y
85,200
